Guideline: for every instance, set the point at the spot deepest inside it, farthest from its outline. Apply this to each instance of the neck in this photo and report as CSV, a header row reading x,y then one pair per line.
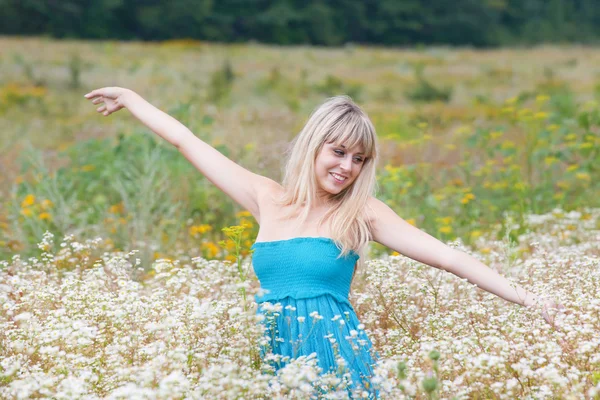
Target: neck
x,y
322,199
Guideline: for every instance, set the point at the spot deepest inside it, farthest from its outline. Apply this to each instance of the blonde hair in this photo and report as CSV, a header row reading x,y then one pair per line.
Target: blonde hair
x,y
337,120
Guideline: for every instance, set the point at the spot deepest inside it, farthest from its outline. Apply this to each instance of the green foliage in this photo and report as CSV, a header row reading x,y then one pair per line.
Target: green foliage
x,y
387,22
425,91
290,89
33,76
132,191
221,82
76,66
333,86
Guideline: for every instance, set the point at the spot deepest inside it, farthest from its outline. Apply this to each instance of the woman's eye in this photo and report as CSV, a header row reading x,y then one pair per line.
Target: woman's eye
x,y
339,152
358,160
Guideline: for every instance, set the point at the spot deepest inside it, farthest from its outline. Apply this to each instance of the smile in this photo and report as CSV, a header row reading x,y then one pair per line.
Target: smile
x,y
338,178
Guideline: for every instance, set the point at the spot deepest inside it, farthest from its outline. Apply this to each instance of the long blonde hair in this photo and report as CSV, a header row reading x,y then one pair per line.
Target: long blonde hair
x,y
337,120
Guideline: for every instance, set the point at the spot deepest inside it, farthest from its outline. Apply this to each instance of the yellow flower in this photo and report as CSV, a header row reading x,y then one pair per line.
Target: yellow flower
x,y
199,229
46,204
412,221
450,146
45,216
571,136
28,201
231,258
485,250
496,134
563,184
230,245
26,212
512,100
445,229
520,186
395,253
422,125
586,145
88,167
211,248
572,167
467,198
524,112
541,115
552,127
508,144
427,137
463,129
244,213
550,160
583,176
444,220
19,179
246,223
475,234
542,98
116,208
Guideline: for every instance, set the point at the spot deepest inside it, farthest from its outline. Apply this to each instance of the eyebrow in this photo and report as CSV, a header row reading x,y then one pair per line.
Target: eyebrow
x,y
342,146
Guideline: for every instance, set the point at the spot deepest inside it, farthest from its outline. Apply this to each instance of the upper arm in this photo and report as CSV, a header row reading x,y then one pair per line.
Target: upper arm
x,y
243,186
394,232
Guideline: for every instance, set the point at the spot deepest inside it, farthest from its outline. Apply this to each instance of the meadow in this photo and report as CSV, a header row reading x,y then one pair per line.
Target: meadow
x,y
119,280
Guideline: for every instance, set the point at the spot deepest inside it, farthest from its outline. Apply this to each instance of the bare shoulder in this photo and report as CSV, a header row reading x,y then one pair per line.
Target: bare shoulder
x,y
374,209
267,187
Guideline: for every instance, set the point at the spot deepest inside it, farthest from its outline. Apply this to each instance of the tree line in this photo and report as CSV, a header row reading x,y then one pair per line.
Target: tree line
x,y
480,23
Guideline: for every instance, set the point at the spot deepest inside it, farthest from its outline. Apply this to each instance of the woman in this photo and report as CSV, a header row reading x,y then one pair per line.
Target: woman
x,y
313,229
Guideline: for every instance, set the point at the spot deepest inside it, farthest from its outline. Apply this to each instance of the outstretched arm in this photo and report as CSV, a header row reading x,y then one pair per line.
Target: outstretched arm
x,y
397,234
238,183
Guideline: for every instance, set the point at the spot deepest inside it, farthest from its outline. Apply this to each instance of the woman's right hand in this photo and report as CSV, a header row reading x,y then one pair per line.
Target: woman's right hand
x,y
114,98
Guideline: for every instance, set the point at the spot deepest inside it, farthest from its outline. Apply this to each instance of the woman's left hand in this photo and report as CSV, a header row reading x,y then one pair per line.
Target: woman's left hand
x,y
549,310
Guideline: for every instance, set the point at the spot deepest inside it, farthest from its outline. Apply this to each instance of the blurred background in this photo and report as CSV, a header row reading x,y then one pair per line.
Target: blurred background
x,y
486,111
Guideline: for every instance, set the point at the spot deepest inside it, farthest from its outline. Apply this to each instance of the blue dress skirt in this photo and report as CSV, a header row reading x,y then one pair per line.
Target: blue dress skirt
x,y
306,308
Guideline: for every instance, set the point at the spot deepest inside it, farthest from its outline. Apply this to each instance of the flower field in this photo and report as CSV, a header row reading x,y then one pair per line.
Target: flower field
x,y
117,279
77,322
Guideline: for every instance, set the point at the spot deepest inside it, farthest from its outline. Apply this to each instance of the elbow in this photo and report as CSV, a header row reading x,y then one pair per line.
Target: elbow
x,y
179,140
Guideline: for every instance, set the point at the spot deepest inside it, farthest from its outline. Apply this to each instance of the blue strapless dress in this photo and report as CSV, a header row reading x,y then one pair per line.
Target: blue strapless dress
x,y
306,277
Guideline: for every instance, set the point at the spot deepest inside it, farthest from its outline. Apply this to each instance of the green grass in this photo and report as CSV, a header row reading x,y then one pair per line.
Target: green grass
x,y
517,135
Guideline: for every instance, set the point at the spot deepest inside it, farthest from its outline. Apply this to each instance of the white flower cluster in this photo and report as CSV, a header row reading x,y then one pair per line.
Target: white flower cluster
x,y
74,325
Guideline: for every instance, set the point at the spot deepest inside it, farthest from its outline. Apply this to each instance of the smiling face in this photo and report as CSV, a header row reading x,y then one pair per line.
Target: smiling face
x,y
337,167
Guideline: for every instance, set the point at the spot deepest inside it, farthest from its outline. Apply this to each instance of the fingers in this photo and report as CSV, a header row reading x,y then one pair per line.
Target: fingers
x,y
105,91
93,94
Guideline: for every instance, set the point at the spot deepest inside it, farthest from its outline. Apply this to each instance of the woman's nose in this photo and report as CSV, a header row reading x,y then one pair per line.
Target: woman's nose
x,y
346,163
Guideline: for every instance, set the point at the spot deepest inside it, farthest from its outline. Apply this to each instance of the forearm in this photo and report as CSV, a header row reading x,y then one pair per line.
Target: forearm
x,y
158,121
467,267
